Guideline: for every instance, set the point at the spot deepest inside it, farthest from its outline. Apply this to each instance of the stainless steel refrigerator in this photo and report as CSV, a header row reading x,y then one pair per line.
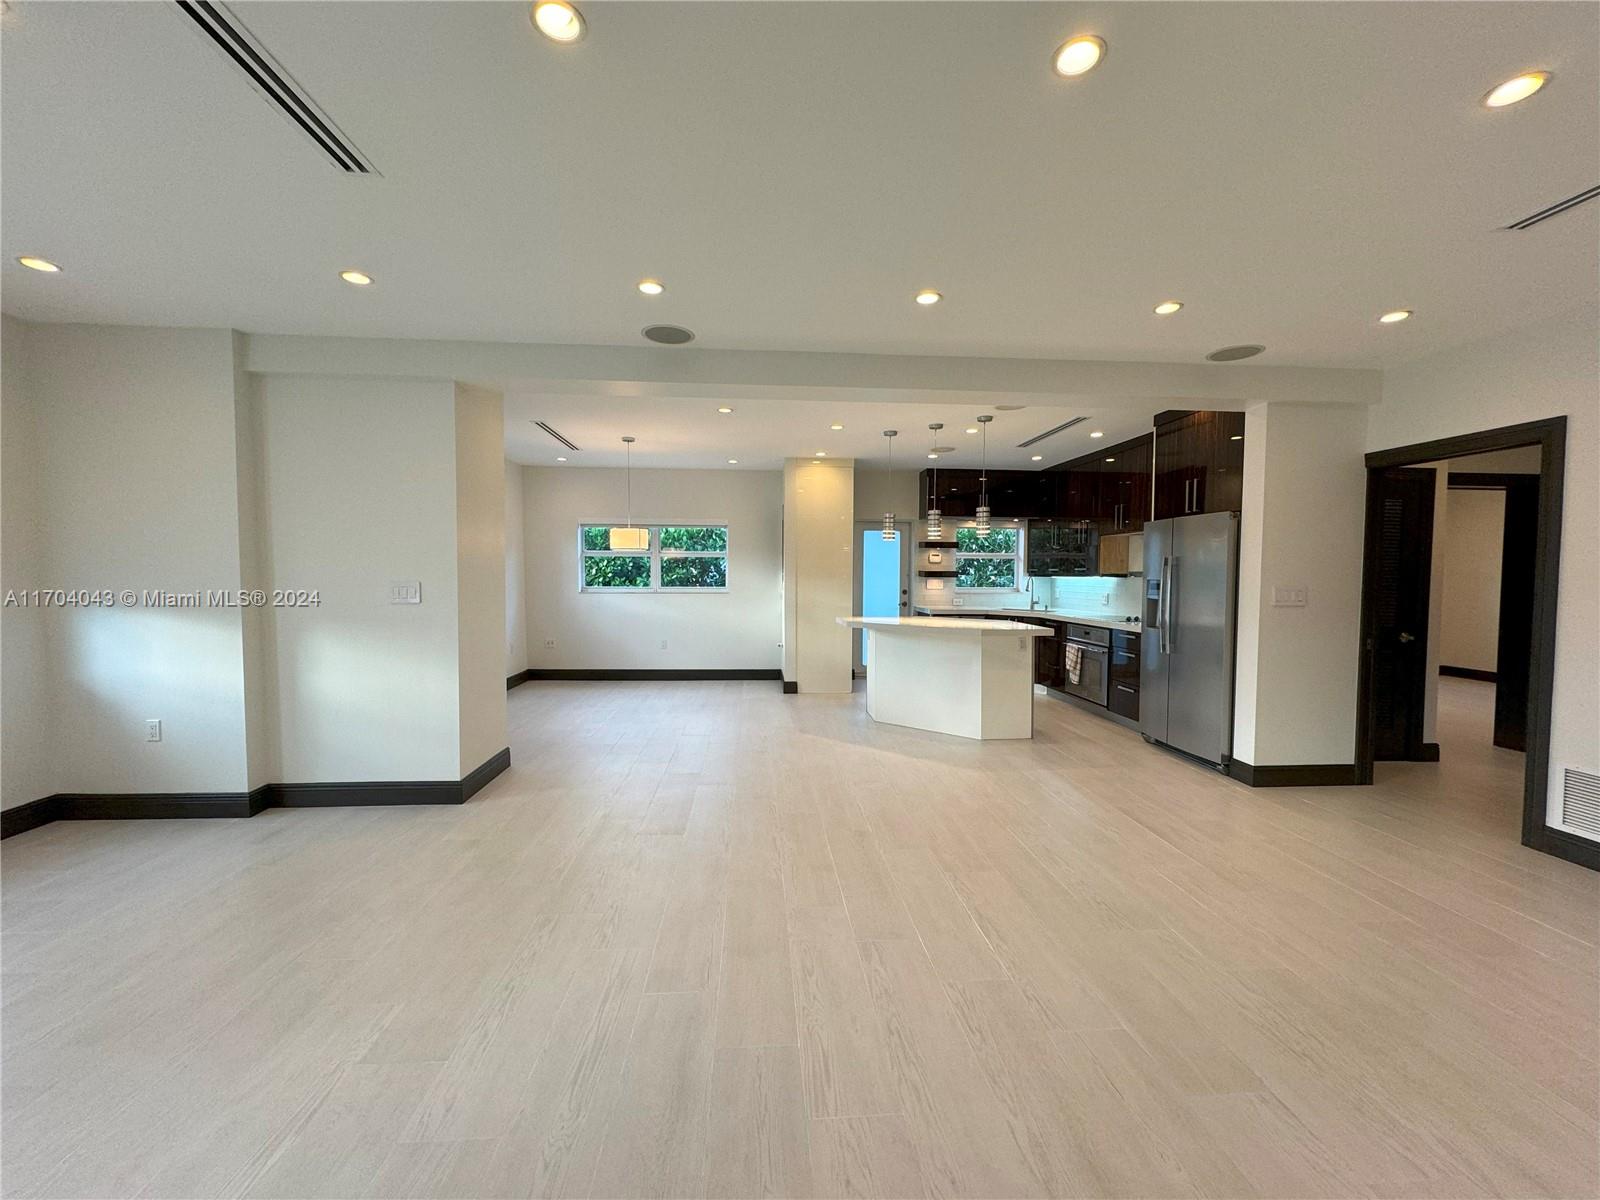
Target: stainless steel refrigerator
x,y
1191,582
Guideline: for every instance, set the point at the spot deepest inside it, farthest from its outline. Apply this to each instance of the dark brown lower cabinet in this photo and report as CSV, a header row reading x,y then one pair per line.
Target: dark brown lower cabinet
x,y
1122,697
1047,660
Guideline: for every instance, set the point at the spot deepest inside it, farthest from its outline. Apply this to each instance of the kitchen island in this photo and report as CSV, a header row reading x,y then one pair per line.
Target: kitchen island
x,y
968,678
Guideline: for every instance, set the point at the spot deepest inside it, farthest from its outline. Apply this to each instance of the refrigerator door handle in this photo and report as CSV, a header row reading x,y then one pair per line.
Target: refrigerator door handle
x,y
1171,591
1160,607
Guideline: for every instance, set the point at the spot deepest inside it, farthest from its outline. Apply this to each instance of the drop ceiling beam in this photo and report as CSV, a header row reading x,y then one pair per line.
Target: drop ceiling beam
x,y
712,374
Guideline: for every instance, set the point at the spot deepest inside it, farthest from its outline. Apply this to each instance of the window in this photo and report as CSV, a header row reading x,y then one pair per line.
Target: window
x,y
988,562
678,558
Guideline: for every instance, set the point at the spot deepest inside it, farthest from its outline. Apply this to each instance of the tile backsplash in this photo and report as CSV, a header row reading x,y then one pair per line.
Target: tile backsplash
x,y
1092,593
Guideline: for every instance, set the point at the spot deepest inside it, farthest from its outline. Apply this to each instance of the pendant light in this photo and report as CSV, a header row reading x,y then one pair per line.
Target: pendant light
x,y
983,479
889,533
629,538
935,517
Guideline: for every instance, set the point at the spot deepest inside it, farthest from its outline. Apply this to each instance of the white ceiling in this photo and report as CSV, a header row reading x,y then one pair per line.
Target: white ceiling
x,y
796,171
762,433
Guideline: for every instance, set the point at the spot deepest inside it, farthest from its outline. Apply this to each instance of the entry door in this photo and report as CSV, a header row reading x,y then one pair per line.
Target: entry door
x,y
883,578
1399,558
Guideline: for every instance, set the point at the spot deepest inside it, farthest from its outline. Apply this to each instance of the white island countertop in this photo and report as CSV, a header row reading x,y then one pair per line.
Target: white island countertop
x,y
970,678
1102,620
949,623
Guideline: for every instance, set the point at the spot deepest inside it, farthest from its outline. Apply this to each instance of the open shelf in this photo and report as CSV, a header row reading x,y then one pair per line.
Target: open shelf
x,y
937,545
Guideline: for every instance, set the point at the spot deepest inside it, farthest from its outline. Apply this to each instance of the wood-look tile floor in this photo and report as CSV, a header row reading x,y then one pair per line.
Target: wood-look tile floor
x,y
710,940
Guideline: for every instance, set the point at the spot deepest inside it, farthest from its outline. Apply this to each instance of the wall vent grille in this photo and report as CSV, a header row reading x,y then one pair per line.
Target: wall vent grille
x,y
1580,801
1556,209
268,77
560,437
1039,437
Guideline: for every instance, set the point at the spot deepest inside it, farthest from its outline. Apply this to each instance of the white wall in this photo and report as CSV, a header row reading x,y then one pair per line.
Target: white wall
x,y
25,772
1543,371
480,507
1303,510
1469,623
516,615
818,573
359,485
138,490
739,629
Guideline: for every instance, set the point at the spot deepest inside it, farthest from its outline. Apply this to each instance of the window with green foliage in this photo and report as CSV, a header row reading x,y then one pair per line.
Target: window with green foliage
x,y
988,562
680,558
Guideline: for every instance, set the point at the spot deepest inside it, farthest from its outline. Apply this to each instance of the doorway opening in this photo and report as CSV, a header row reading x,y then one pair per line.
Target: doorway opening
x,y
883,579
1399,695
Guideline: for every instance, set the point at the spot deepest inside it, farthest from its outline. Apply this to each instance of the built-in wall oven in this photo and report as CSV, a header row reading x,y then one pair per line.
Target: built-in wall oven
x,y
1093,674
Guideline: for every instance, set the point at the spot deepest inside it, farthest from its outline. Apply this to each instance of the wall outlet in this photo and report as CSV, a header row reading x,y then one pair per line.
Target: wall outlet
x,y
1289,597
957,601
405,591
663,643
152,731
549,643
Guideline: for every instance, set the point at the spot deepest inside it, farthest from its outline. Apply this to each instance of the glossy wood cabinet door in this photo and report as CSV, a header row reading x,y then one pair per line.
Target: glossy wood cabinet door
x,y
1199,463
1124,490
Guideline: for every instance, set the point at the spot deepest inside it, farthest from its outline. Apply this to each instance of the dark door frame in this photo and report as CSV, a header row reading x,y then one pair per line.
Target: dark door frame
x,y
1550,436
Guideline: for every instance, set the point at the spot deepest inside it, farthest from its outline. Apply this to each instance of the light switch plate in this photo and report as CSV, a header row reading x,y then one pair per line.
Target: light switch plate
x,y
406,591
1289,597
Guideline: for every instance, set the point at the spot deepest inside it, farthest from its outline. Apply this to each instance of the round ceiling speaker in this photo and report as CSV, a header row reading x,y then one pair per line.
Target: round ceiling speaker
x,y
1010,407
668,335
1234,353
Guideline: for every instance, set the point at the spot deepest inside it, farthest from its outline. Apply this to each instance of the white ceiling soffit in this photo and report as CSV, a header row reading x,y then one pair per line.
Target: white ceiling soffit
x,y
795,172
760,434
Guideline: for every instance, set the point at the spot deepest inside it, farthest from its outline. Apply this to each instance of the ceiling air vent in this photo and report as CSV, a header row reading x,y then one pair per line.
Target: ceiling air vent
x,y
268,77
1234,353
668,335
1580,801
1560,206
1039,437
560,437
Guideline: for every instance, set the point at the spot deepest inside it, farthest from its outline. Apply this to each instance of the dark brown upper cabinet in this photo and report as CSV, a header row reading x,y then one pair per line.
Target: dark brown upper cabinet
x,y
1013,495
1199,463
1109,488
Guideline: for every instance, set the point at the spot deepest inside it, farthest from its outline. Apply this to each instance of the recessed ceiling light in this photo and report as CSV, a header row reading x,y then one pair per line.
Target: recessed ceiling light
x,y
652,287
821,454
1097,433
561,458
928,296
1513,90
1167,307
932,455
1395,317
558,20
733,462
39,264
1238,437
1111,460
724,409
974,429
359,278
835,426
1038,458
1077,55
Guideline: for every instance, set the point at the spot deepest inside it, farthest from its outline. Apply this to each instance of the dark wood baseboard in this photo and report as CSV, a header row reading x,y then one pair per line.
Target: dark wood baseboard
x,y
1469,673
1325,775
28,816
790,687
521,676
72,806
483,773
1566,845
605,675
